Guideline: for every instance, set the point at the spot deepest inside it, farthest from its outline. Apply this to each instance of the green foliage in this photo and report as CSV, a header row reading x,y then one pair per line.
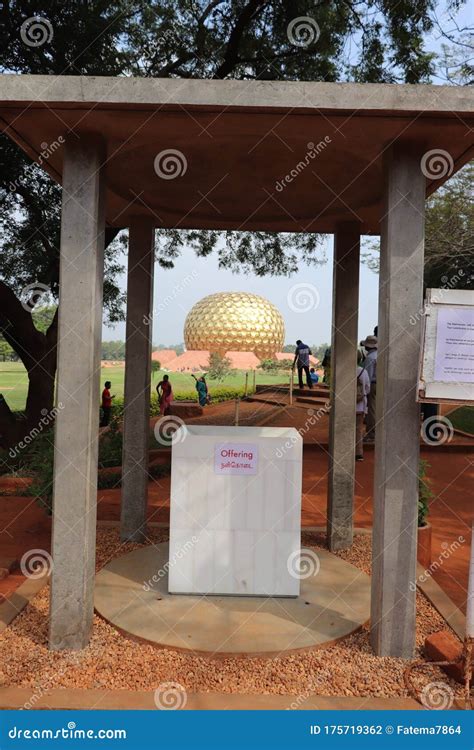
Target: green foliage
x,y
449,235
155,367
275,365
219,367
463,419
113,350
6,351
40,462
449,228
425,493
319,351
110,444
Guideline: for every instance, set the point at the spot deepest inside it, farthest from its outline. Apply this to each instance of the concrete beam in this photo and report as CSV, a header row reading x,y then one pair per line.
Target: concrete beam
x,y
397,435
136,424
342,418
77,421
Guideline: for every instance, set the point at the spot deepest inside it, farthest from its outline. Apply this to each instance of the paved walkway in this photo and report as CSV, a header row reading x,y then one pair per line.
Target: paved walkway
x,y
70,698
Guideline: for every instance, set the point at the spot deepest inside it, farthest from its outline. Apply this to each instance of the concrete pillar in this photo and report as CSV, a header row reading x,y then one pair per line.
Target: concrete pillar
x,y
397,434
136,425
77,420
342,418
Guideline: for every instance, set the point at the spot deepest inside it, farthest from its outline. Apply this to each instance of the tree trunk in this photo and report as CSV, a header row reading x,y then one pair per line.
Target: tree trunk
x,y
37,351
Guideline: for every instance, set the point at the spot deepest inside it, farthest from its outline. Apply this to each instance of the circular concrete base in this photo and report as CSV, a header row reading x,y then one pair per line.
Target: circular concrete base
x,y
332,604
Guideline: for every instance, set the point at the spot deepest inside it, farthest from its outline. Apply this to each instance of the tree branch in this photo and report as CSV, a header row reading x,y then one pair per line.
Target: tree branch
x,y
231,57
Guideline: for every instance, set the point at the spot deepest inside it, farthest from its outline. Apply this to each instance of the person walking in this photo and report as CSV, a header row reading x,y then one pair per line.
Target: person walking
x,y
165,394
106,404
363,390
369,364
301,360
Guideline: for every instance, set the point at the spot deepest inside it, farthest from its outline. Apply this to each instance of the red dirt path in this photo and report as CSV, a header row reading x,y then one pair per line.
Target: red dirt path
x,y
23,526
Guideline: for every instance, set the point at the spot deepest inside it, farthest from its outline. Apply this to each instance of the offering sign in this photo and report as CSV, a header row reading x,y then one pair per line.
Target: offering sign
x,y
236,458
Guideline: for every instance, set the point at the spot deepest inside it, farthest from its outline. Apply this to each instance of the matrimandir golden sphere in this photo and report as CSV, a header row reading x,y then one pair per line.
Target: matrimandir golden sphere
x,y
235,321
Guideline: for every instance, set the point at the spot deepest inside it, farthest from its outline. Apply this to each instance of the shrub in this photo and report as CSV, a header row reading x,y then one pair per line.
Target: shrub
x,y
110,445
425,494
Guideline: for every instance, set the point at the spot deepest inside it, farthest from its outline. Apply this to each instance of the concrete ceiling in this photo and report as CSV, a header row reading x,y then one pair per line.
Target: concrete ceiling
x,y
243,158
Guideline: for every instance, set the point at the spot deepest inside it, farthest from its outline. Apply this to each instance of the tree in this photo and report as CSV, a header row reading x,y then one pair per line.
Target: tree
x,y
319,351
155,367
275,365
245,39
449,227
219,367
449,235
113,350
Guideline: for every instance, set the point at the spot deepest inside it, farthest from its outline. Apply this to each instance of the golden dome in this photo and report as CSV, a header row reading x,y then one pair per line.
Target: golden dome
x,y
235,321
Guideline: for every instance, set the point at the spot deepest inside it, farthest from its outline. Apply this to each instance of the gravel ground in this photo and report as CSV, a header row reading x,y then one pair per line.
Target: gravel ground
x,y
347,668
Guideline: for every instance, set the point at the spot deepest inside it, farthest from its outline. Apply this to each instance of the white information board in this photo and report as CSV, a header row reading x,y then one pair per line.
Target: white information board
x,y
235,517
447,356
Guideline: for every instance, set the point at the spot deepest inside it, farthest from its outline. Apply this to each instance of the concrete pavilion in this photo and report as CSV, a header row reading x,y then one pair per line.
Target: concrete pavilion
x,y
238,140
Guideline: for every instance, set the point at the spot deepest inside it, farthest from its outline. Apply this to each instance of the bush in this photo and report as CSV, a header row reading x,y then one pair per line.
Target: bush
x,y
110,445
425,494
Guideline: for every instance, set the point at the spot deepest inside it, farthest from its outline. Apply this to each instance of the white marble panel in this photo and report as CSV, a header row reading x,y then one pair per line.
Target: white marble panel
x,y
243,524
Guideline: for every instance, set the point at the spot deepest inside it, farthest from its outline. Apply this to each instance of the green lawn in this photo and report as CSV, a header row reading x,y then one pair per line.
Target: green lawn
x,y
14,381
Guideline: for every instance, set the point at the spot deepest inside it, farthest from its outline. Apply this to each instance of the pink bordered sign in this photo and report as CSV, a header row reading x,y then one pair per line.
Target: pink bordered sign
x,y
236,458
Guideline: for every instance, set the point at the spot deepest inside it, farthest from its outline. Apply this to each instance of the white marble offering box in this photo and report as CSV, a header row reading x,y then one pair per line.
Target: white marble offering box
x,y
235,524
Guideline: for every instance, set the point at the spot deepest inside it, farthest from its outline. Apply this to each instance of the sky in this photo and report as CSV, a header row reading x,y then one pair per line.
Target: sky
x,y
304,300
177,290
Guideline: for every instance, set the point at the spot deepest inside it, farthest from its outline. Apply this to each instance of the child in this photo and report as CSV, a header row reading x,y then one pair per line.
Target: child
x,y
106,404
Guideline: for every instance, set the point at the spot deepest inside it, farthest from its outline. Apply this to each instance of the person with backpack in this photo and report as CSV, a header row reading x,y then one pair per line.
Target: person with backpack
x,y
363,390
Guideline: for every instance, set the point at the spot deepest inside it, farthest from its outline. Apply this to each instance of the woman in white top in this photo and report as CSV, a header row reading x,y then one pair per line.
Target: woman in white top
x,y
363,389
